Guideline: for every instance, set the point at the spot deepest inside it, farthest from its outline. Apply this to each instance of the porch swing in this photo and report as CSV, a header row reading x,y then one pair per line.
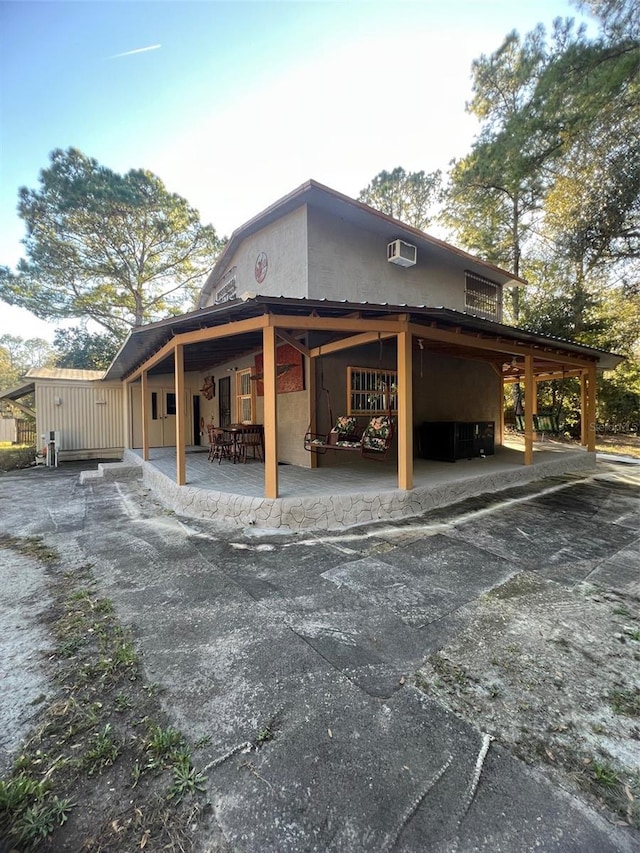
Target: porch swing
x,y
372,442
543,422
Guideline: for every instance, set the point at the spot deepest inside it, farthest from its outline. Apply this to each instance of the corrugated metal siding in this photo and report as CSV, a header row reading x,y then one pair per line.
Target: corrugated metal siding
x,y
88,417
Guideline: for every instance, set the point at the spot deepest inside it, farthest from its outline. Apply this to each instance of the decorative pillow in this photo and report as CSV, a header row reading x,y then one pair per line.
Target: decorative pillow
x,y
377,432
345,425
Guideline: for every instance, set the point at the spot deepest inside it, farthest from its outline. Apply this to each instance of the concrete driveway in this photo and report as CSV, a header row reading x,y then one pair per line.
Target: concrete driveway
x,y
316,639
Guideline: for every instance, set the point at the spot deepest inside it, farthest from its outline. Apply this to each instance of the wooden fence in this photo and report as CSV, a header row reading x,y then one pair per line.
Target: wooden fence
x,y
25,432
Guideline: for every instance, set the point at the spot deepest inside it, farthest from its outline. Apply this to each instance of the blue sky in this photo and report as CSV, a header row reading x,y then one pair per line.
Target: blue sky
x,y
237,103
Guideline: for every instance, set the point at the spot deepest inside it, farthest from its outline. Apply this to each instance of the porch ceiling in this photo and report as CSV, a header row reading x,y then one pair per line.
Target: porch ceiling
x,y
479,338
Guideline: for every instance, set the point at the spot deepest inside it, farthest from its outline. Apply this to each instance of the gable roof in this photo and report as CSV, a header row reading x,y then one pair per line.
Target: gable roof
x,y
356,212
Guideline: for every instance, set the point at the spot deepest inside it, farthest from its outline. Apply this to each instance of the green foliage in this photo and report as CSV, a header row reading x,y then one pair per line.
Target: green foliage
x,y
407,196
186,780
28,812
77,348
18,355
119,249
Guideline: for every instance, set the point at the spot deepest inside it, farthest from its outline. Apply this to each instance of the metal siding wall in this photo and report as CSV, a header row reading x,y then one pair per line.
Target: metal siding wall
x,y
84,423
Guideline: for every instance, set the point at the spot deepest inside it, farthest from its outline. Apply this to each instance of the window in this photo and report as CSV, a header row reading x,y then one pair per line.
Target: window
x,y
244,394
483,297
171,403
226,288
154,405
370,391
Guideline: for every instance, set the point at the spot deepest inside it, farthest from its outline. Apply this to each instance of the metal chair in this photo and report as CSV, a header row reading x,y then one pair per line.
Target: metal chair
x,y
220,444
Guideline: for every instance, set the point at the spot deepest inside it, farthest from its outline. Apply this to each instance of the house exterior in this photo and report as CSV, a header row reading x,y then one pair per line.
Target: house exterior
x,y
320,306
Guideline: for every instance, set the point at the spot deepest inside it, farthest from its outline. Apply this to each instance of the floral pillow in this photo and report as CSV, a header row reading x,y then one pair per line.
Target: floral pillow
x,y
377,433
345,425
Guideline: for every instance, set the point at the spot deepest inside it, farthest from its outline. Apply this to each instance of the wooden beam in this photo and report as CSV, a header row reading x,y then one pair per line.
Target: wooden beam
x,y
334,324
293,342
584,412
591,397
181,467
26,410
346,343
462,339
405,411
270,413
529,394
145,416
500,430
211,333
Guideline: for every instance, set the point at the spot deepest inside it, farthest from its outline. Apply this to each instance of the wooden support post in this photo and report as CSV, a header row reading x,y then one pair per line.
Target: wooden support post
x,y
584,412
145,416
181,466
312,385
405,411
500,425
591,406
529,395
270,413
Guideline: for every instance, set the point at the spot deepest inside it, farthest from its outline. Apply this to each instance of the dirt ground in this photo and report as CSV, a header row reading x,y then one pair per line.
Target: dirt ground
x,y
465,681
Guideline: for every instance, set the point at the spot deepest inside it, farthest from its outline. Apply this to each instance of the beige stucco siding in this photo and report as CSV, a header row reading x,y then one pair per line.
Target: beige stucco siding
x,y
285,245
88,415
347,262
454,389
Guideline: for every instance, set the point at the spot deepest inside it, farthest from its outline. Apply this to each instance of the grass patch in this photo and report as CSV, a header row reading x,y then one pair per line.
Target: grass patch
x,y
84,735
15,456
625,700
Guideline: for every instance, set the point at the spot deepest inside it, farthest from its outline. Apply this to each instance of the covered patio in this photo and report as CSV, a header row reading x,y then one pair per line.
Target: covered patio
x,y
333,497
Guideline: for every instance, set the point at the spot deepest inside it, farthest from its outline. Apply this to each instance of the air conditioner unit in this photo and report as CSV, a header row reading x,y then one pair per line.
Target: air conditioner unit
x,y
401,253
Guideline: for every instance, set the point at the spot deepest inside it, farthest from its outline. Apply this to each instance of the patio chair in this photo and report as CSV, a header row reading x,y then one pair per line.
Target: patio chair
x,y
220,444
252,439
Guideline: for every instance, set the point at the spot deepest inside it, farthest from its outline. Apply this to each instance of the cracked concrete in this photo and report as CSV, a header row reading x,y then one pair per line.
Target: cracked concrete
x,y
318,636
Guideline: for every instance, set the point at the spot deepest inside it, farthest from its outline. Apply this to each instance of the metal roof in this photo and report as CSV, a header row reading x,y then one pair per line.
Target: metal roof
x,y
143,342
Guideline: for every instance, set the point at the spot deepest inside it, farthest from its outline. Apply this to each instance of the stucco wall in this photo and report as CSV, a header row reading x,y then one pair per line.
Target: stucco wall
x,y
454,389
451,389
347,262
285,244
293,411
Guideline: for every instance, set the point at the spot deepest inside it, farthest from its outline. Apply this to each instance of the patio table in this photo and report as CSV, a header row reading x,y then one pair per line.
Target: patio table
x,y
237,431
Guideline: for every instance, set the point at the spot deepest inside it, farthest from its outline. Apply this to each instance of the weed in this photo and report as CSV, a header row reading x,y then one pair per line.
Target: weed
x,y
103,605
625,701
162,744
186,780
103,753
205,740
136,773
124,654
605,775
264,736
27,813
621,611
122,702
29,546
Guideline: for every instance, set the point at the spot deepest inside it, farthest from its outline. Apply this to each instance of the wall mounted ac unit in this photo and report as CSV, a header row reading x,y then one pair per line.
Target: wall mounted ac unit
x,y
401,253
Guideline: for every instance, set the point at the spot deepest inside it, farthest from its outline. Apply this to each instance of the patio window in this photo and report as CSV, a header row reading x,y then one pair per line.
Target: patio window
x,y
244,396
371,391
483,297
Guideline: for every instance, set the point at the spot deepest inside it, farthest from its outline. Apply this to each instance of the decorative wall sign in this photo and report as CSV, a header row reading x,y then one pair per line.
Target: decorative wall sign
x,y
208,389
262,266
289,371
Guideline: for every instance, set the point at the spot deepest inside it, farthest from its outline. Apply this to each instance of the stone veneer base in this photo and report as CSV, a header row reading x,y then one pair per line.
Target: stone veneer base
x,y
330,512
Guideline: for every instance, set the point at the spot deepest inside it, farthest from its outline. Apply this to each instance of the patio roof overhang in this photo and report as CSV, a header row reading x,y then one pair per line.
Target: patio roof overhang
x,y
217,334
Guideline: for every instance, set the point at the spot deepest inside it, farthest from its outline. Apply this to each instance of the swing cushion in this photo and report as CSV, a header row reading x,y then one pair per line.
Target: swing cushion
x,y
345,425
376,435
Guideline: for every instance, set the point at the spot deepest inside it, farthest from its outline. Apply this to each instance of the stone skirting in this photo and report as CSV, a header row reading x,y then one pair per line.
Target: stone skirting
x,y
330,512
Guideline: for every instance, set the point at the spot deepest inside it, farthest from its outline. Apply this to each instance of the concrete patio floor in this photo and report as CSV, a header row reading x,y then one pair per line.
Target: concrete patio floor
x,y
336,496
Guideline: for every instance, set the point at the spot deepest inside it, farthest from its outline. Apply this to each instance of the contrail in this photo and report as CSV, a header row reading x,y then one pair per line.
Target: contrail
x,y
137,50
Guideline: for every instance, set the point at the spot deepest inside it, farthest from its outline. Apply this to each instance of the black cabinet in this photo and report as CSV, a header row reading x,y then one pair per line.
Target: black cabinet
x,y
451,440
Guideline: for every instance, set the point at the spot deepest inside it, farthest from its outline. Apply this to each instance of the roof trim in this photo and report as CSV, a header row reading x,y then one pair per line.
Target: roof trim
x,y
142,342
